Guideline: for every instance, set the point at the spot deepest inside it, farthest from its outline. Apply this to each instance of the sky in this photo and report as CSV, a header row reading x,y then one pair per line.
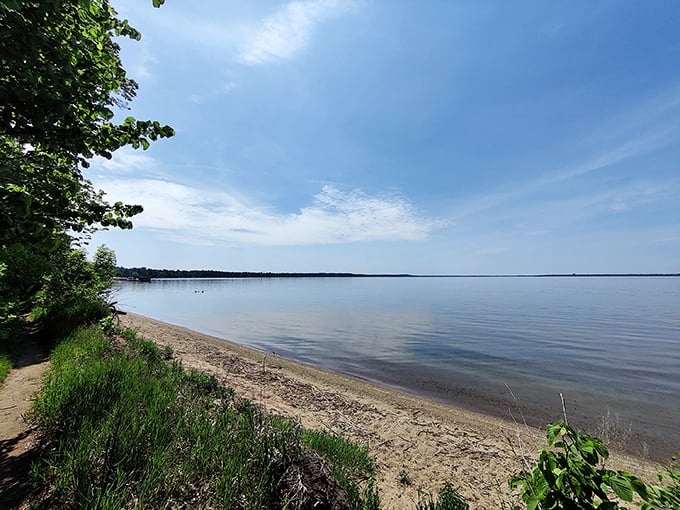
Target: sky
x,y
387,136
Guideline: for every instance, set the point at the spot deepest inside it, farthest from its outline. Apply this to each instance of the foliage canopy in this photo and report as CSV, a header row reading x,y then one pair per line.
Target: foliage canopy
x,y
61,78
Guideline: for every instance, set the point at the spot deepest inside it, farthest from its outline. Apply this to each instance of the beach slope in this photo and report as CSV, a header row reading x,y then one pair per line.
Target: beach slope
x,y
417,444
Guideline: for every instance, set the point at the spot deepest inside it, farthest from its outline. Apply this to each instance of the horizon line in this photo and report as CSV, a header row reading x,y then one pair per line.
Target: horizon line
x,y
293,274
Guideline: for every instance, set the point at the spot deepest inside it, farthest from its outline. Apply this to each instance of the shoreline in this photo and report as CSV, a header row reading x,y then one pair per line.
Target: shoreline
x,y
431,441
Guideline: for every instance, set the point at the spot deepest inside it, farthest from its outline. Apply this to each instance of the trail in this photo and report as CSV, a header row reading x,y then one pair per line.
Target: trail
x,y
18,440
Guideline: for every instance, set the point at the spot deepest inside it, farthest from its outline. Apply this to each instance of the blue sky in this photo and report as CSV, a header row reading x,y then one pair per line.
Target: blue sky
x,y
385,136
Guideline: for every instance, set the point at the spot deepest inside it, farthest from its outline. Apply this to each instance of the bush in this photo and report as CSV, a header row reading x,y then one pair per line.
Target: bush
x,y
570,476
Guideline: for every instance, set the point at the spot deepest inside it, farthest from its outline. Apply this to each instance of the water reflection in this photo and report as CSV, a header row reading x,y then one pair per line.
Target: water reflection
x,y
606,342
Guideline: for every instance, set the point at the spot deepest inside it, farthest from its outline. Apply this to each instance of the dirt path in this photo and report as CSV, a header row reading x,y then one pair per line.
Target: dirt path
x,y
18,441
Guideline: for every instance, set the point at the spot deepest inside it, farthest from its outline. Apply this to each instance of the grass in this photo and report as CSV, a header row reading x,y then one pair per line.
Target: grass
x,y
447,499
614,430
127,427
7,345
350,465
5,365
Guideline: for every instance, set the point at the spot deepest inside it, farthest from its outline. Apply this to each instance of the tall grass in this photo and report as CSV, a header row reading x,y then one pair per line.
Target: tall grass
x,y
8,341
350,465
448,498
129,428
5,365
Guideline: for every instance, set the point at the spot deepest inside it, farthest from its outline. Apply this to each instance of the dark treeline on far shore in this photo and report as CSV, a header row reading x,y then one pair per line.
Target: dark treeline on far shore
x,y
147,273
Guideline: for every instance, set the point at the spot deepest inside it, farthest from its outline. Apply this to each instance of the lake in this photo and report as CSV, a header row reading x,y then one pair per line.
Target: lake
x,y
503,346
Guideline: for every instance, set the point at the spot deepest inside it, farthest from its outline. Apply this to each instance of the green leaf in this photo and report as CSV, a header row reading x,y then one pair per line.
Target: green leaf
x,y
555,431
532,503
609,505
621,486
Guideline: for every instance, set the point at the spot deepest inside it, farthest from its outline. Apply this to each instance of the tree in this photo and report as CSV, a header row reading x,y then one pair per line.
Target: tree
x,y
104,261
62,75
61,78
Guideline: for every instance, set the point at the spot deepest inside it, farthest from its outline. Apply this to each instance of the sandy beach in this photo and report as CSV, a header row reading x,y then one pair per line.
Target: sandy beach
x,y
407,435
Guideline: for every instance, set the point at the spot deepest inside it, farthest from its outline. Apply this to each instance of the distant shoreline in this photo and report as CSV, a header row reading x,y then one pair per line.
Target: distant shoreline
x,y
146,273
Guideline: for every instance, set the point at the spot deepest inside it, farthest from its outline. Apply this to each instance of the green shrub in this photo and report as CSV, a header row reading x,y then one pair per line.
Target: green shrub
x,y
570,476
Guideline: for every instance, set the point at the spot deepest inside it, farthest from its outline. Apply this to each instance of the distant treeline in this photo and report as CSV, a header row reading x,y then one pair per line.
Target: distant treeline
x,y
145,272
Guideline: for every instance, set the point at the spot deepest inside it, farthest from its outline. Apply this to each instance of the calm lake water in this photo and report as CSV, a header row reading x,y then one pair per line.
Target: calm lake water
x,y
496,345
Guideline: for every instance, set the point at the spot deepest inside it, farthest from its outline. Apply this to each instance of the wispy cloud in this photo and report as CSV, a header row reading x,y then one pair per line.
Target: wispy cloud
x,y
551,215
225,88
636,145
585,206
197,216
637,131
640,137
124,161
670,239
141,69
288,31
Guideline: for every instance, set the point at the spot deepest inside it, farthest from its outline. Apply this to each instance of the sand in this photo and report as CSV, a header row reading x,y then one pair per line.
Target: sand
x,y
407,435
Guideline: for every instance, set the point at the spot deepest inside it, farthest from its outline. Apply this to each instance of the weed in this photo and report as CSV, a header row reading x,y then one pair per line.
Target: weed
x,y
166,352
613,430
404,478
5,366
447,499
108,325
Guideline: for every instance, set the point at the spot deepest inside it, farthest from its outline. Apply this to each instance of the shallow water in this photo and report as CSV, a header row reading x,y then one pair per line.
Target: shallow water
x,y
497,345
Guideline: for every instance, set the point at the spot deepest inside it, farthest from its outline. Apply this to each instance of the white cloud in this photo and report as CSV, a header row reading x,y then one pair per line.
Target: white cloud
x,y
288,31
202,217
224,89
124,161
141,69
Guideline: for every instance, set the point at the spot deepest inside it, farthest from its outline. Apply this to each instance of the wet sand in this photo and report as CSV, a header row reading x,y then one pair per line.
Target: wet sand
x,y
429,441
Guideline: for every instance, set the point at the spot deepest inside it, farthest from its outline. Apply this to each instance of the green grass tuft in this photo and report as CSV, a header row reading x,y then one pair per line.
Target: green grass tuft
x,y
447,499
126,427
350,465
5,366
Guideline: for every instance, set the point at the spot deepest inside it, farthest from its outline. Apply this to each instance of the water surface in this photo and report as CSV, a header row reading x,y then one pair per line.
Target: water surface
x,y
496,345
